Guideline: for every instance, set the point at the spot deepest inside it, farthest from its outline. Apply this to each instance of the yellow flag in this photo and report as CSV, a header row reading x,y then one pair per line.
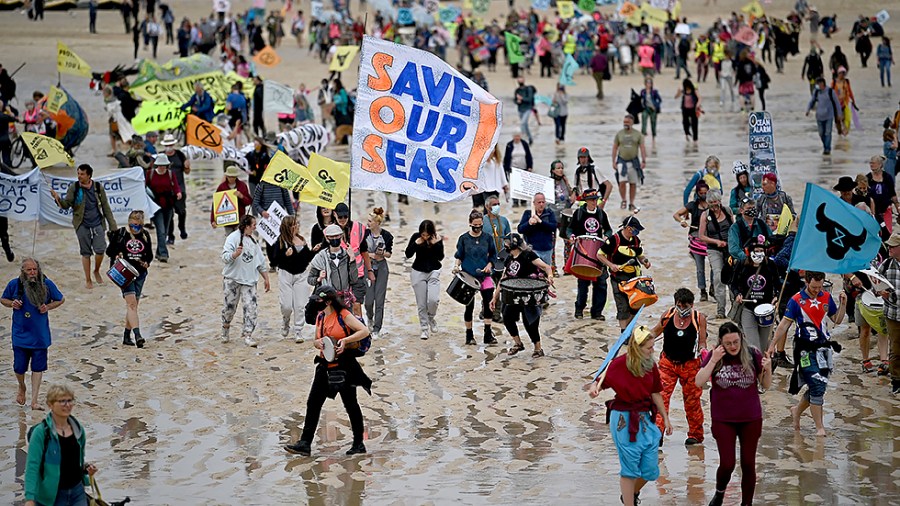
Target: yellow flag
x,y
267,57
655,18
334,179
754,9
225,208
286,173
56,98
628,9
566,9
676,12
467,4
784,222
46,152
343,58
70,63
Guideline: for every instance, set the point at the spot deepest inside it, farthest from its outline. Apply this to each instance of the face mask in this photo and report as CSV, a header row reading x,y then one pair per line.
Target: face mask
x,y
135,228
635,232
334,243
750,213
757,257
495,209
701,197
684,312
476,229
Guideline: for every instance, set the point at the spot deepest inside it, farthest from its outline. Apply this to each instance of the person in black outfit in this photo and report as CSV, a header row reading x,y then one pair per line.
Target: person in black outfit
x,y
324,217
342,376
7,117
259,125
590,220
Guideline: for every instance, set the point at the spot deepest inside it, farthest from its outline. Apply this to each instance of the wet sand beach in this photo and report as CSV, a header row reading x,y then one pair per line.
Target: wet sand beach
x,y
190,420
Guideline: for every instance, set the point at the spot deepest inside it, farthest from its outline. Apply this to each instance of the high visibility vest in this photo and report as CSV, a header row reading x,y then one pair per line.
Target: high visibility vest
x,y
718,52
357,233
569,46
702,48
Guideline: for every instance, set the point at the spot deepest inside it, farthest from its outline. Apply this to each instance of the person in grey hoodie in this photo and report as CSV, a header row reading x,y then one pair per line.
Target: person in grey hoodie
x,y
337,267
828,110
244,262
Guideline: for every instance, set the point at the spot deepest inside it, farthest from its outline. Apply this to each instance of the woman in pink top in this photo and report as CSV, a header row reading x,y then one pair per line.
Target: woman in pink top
x,y
645,55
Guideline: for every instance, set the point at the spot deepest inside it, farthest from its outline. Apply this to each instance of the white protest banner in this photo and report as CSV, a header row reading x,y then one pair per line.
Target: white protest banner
x,y
421,128
269,228
524,185
124,191
882,17
277,97
20,196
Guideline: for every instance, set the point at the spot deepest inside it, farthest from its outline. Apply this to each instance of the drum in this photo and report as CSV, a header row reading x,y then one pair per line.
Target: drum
x,y
122,273
328,349
524,291
584,257
463,288
568,212
765,315
640,291
871,307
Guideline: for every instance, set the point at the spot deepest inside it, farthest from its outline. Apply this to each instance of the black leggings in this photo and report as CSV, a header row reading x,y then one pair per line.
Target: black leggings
x,y
486,296
762,98
317,395
690,122
511,315
726,434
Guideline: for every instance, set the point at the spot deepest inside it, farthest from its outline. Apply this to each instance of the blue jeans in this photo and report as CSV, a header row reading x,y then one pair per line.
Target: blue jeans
x,y
884,67
523,125
161,221
598,298
71,497
825,133
560,123
546,256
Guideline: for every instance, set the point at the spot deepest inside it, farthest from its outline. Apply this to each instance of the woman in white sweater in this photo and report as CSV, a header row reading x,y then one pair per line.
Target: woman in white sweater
x,y
244,262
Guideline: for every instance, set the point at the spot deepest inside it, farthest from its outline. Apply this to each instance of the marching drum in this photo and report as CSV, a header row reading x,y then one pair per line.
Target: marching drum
x,y
584,257
328,349
122,273
463,288
765,315
524,291
640,291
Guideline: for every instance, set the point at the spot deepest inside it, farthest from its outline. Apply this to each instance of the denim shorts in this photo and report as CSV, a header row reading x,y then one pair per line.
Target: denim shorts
x,y
22,356
136,287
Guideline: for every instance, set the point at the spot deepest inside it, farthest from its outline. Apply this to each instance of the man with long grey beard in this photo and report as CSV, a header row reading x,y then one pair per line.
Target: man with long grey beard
x,y
31,297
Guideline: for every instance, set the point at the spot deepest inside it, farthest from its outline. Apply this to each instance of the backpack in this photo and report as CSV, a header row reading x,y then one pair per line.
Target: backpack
x,y
668,315
364,344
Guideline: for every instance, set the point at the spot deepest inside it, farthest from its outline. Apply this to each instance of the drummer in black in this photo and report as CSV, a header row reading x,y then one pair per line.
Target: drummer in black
x,y
622,252
590,219
522,263
474,252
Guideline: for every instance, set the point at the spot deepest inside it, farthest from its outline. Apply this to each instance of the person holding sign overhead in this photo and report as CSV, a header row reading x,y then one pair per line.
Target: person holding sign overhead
x,y
244,263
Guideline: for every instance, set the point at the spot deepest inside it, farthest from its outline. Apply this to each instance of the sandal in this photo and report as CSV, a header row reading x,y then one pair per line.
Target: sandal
x,y
624,204
516,348
884,368
537,353
867,366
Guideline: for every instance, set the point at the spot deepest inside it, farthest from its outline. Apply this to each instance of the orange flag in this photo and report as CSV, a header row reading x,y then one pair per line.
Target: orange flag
x,y
204,134
267,57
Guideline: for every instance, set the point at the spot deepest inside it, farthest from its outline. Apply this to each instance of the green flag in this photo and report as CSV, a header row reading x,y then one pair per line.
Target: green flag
x,y
587,6
514,49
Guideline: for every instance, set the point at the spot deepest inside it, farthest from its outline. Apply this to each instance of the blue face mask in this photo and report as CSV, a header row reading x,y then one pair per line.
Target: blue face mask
x,y
135,228
495,210
635,232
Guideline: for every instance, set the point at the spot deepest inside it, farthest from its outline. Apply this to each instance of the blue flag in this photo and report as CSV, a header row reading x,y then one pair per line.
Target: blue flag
x,y
567,76
833,236
614,349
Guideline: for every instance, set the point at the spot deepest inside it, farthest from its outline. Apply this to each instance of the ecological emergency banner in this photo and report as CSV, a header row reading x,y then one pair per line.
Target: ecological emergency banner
x,y
421,128
27,197
762,149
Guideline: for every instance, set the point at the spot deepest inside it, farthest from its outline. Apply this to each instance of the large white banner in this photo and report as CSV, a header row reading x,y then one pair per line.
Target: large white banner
x,y
20,196
421,128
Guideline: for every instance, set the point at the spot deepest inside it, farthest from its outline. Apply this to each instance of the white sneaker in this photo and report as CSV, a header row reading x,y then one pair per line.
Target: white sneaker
x,y
225,334
434,327
285,326
249,341
375,336
298,337
424,335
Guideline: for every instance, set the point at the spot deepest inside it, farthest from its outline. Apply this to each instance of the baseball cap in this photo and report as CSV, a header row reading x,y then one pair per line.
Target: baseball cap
x,y
632,222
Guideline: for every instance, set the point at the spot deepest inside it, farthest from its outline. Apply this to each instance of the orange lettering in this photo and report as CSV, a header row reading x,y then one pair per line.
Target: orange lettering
x,y
374,163
381,81
396,108
487,126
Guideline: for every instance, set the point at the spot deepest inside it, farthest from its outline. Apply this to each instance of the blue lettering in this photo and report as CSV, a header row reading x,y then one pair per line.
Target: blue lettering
x,y
436,90
452,130
393,160
408,83
461,92
418,169
444,166
415,117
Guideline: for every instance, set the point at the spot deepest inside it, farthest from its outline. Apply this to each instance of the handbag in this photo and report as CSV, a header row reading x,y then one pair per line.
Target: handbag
x,y
554,110
95,498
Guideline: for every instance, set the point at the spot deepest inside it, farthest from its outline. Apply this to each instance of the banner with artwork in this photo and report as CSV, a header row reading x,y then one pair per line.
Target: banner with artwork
x,y
421,128
762,149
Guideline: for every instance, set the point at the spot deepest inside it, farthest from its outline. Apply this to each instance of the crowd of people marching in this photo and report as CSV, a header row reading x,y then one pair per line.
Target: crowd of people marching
x,y
332,283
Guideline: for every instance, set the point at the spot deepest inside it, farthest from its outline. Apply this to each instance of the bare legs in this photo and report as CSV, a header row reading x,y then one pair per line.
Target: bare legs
x,y
86,265
36,378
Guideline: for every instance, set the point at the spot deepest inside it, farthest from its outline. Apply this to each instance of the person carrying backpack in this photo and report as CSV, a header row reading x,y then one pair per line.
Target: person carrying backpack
x,y
342,375
813,68
828,111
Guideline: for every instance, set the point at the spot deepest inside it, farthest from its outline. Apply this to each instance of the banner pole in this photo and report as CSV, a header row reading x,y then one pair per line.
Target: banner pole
x,y
17,70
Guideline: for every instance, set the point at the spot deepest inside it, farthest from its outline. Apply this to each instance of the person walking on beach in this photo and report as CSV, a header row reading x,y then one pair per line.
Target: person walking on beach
x,y
629,169
133,245
424,276
828,112
166,191
341,376
474,255
179,166
31,296
690,110
736,370
244,262
292,256
890,269
90,216
380,245
636,381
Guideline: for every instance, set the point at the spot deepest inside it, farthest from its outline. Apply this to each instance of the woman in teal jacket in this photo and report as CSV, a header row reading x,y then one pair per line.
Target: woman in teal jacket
x,y
55,472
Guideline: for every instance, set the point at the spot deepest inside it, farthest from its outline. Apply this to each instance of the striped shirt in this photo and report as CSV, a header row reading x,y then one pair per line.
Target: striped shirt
x,y
890,269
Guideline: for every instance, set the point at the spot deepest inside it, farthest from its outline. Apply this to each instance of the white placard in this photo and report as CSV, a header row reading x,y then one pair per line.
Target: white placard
x,y
524,185
269,228
277,97
882,17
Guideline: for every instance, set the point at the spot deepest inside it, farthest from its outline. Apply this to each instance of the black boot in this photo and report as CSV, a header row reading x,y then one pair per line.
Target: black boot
x,y
299,448
489,335
10,256
127,339
717,499
470,337
138,338
356,448
704,297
